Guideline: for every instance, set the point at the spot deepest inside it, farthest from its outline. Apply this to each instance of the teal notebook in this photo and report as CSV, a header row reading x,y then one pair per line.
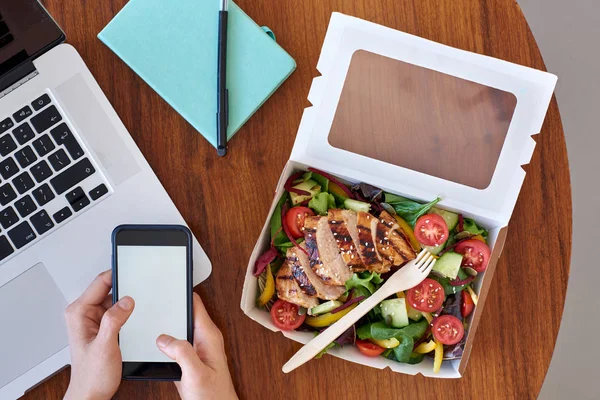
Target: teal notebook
x,y
172,45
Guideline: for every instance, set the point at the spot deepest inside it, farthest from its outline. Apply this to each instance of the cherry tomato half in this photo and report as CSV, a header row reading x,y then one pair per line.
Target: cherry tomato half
x,y
294,220
285,315
448,329
428,296
476,254
369,349
467,305
431,230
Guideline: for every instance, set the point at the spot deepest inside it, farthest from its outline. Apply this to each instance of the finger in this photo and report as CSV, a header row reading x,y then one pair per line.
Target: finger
x,y
182,352
114,318
98,289
107,302
208,339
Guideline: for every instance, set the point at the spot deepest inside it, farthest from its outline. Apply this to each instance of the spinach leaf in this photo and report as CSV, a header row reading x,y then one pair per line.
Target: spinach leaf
x,y
370,281
380,331
404,350
277,235
416,358
409,210
471,226
322,202
445,282
416,329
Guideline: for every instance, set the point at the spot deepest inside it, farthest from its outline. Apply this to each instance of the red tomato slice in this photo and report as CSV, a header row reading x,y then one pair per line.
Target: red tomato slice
x,y
476,254
369,349
448,329
467,305
431,230
294,219
285,315
428,296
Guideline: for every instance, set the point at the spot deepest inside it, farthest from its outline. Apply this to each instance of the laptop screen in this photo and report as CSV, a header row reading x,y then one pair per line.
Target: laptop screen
x,y
26,31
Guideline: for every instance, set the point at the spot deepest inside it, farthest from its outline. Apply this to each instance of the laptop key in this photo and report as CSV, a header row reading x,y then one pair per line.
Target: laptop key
x,y
77,199
41,171
42,222
98,191
21,234
7,194
25,157
41,102
72,176
45,119
7,145
25,206
43,145
43,194
22,114
59,159
23,133
62,136
23,182
8,217
6,248
8,168
63,214
6,124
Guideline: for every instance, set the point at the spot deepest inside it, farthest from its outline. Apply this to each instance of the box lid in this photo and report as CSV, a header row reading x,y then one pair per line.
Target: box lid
x,y
421,118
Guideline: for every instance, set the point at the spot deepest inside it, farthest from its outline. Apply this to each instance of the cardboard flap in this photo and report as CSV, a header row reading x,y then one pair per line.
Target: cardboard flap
x,y
422,119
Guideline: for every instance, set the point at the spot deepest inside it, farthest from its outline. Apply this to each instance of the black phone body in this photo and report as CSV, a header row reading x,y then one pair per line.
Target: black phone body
x,y
153,264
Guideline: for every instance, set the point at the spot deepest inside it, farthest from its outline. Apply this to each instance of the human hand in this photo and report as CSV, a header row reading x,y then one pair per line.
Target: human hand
x,y
204,370
93,326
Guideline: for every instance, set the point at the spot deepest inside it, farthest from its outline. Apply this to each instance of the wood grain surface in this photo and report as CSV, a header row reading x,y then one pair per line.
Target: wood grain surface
x,y
225,202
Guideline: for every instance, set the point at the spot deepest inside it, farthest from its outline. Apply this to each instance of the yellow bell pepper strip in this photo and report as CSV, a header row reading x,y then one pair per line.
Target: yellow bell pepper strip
x,y
425,348
427,316
324,320
400,295
439,356
387,344
473,295
479,237
408,231
269,290
337,191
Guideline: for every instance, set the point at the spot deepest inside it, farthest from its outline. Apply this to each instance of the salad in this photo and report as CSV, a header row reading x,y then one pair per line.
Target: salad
x,y
333,245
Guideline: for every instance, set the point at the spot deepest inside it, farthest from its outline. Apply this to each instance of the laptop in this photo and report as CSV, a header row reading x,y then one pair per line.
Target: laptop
x,y
69,174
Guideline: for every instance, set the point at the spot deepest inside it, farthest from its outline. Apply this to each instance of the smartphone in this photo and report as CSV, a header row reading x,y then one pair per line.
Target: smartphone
x,y
153,265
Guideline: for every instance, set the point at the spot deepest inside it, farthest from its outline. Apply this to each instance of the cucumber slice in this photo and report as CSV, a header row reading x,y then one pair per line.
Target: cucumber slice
x,y
310,186
435,250
450,217
448,264
394,312
356,205
413,314
324,308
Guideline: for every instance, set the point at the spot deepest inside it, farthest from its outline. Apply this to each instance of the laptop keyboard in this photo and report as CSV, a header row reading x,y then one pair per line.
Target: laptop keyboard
x,y
47,176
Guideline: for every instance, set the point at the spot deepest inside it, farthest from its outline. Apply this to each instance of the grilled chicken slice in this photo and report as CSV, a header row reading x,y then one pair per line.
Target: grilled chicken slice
x,y
385,248
366,247
306,278
397,238
324,254
343,226
288,289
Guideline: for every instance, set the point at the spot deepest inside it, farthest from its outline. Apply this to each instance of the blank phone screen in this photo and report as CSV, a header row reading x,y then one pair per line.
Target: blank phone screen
x,y
155,277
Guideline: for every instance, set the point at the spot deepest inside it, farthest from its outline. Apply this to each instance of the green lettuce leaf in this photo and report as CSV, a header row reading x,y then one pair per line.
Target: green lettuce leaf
x,y
322,202
471,226
367,280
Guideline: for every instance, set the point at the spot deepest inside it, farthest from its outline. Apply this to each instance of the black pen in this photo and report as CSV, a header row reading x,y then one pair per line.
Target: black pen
x,y
222,92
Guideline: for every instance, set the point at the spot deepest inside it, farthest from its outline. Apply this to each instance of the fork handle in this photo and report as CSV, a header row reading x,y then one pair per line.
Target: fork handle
x,y
316,345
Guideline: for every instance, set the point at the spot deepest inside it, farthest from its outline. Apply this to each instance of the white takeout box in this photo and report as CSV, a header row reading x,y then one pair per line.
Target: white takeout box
x,y
386,108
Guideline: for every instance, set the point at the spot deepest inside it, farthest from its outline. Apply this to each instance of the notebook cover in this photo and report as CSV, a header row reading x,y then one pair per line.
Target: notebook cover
x,y
172,45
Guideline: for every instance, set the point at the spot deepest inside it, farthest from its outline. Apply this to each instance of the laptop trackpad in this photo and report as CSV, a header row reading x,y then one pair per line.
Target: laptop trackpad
x,y
32,326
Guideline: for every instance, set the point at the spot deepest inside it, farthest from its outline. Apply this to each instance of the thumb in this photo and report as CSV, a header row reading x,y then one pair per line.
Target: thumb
x,y
115,317
182,352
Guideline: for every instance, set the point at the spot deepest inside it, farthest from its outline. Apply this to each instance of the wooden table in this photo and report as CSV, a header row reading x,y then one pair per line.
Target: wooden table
x,y
225,202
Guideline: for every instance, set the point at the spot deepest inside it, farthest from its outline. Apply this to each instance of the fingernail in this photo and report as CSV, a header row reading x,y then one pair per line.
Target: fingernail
x,y
163,341
126,303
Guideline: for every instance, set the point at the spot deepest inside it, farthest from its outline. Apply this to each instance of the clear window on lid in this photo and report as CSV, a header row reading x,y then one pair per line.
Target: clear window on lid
x,y
422,119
